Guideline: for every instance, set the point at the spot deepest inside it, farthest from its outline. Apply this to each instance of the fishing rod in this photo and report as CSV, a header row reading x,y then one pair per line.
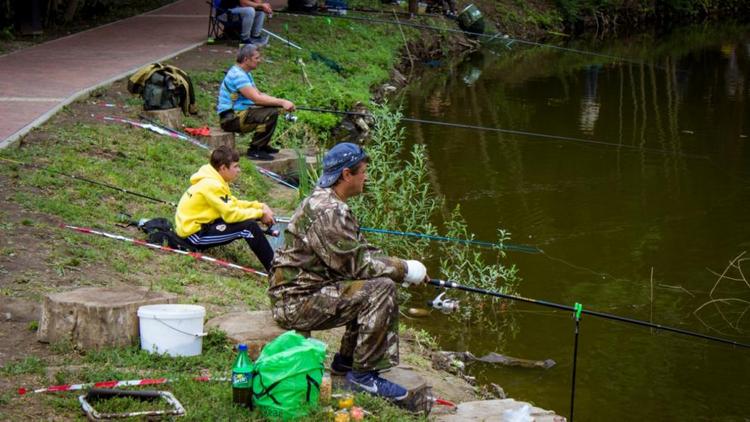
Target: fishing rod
x,y
197,255
184,136
166,130
93,182
518,248
392,11
509,131
112,384
278,178
502,246
508,39
453,285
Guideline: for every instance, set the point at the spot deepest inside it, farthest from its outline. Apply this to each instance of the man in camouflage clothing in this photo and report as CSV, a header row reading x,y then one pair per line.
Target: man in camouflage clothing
x,y
327,276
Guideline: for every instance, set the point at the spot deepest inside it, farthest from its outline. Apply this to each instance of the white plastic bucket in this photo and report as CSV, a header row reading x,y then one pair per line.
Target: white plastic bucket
x,y
176,330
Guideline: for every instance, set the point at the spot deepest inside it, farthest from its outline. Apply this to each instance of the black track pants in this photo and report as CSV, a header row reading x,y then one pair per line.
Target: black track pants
x,y
220,233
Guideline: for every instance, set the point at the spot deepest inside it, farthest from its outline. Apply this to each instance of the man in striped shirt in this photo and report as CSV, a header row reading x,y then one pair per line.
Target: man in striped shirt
x,y
243,108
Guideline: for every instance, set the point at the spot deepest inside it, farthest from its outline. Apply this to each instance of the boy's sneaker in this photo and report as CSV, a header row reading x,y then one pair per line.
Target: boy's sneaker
x,y
341,364
371,382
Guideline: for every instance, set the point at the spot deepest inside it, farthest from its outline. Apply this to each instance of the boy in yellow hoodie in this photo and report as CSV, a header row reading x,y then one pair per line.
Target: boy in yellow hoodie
x,y
209,215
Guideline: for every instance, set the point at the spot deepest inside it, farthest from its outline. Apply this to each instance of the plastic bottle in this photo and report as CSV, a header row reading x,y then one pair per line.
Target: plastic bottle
x,y
242,372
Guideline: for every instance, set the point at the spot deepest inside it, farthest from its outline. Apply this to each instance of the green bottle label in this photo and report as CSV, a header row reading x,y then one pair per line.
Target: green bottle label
x,y
240,380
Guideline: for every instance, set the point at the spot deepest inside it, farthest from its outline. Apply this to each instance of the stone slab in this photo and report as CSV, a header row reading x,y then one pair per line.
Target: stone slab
x,y
218,137
285,162
96,317
255,328
171,117
493,410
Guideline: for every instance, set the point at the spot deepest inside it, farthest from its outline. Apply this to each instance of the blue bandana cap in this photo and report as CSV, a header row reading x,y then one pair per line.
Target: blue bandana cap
x,y
341,156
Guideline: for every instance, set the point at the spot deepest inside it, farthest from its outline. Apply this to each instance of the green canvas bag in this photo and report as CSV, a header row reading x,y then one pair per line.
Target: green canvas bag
x,y
287,376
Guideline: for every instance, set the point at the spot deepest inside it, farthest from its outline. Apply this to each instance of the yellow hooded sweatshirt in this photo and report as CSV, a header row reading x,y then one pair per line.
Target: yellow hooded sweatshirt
x,y
209,198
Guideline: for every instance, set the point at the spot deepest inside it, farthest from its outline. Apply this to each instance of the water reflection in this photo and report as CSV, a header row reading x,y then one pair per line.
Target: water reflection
x,y
589,101
626,231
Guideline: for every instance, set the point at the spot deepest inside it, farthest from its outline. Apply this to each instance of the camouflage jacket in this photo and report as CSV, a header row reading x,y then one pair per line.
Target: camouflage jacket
x,y
323,245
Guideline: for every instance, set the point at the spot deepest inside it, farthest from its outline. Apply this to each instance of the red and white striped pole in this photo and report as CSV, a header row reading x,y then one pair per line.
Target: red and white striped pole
x,y
111,384
196,255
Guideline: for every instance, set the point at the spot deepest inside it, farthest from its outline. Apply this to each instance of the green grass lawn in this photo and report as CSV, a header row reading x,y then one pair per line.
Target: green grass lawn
x,y
159,166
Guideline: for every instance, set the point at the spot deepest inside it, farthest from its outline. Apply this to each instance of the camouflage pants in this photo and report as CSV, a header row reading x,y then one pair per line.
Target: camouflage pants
x,y
367,308
261,120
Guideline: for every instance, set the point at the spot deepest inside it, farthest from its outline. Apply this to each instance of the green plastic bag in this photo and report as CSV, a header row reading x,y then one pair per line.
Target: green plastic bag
x,y
287,376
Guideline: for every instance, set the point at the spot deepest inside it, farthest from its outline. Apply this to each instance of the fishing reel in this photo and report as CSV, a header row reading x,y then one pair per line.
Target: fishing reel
x,y
446,306
289,117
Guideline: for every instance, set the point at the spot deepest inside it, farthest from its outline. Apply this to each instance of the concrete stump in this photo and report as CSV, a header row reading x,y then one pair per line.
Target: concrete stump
x,y
254,328
96,317
171,117
285,162
217,137
492,410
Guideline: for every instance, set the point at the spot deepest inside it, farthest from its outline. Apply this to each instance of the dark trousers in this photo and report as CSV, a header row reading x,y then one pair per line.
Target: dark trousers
x,y
261,120
220,233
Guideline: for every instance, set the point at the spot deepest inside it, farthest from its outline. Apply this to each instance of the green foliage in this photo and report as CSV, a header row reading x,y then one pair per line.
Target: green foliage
x,y
413,207
577,10
397,195
6,34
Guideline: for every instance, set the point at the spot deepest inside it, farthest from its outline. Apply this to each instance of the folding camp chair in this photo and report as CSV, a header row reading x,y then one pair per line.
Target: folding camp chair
x,y
222,24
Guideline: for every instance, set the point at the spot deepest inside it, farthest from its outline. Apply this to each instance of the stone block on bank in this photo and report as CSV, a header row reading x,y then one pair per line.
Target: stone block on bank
x,y
285,162
171,117
96,317
217,137
255,328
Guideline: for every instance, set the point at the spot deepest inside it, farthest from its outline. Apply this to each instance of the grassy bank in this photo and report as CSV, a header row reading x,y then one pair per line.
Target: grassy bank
x,y
38,257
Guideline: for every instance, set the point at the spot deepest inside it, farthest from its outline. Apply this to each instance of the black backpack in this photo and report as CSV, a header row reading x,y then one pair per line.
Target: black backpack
x,y
160,231
163,87
160,92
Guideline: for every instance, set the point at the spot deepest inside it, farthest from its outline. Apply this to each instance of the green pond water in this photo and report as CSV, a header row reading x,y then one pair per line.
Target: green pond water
x,y
605,216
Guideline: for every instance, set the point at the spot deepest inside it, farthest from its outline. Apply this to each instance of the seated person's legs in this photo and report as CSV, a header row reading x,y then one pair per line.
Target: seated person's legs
x,y
220,233
248,18
260,18
263,120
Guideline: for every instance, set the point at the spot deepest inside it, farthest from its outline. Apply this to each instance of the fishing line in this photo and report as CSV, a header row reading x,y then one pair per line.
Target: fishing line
x,y
174,133
510,40
518,248
93,182
511,132
453,285
503,246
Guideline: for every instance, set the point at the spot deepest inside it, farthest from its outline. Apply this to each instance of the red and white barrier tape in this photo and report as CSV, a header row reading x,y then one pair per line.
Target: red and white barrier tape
x,y
196,255
111,384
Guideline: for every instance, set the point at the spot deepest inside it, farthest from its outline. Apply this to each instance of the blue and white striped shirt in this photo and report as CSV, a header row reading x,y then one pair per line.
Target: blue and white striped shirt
x,y
229,95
